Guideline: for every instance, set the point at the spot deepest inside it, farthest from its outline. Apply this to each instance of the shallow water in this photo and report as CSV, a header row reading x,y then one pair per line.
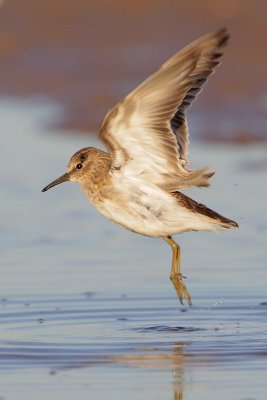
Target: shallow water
x,y
136,347
87,309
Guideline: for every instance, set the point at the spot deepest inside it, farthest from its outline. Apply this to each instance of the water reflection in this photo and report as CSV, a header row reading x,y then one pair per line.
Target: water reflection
x,y
79,335
176,362
178,390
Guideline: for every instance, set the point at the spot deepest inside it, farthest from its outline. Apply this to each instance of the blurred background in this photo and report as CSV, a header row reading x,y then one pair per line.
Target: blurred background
x,y
63,65
86,55
75,289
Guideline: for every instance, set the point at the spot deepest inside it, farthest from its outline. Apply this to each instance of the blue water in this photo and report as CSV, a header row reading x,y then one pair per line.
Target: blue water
x,y
87,308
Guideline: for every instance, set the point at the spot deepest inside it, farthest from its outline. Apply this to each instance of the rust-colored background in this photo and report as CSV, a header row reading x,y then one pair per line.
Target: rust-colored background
x,y
88,54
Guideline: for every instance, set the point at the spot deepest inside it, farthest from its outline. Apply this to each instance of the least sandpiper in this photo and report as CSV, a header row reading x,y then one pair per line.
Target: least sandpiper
x,y
137,183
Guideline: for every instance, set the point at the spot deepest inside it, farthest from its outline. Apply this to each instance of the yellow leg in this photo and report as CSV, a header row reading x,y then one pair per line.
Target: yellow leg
x,y
176,276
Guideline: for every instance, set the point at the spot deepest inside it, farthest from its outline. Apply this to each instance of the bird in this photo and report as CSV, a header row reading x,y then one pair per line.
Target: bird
x,y
137,182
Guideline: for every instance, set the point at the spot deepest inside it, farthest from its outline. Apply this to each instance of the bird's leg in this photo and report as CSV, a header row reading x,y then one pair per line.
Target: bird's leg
x,y
176,276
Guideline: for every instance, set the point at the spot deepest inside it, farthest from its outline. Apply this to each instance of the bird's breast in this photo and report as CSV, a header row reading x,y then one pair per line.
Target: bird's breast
x,y
138,208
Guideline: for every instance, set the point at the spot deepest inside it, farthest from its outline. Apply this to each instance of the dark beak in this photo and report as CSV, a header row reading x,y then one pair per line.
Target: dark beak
x,y
61,179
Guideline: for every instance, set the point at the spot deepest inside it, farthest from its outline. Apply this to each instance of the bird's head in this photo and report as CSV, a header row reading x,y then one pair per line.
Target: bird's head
x,y
76,171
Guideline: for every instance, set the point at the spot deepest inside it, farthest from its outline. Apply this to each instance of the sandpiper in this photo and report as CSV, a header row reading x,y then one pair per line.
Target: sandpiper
x,y
137,183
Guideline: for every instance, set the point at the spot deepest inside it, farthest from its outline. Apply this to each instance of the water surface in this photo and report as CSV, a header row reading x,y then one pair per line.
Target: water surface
x,y
87,308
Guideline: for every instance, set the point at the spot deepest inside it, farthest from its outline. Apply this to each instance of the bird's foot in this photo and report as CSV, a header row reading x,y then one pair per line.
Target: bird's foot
x,y
179,286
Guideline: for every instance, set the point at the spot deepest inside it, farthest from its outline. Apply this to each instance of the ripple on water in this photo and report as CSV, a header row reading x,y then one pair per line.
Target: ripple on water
x,y
163,328
77,331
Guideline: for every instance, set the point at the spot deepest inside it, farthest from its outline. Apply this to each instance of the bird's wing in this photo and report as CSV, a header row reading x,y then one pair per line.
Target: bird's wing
x,y
147,131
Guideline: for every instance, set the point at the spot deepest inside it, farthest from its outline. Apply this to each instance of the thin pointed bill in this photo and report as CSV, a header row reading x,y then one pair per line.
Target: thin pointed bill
x,y
61,179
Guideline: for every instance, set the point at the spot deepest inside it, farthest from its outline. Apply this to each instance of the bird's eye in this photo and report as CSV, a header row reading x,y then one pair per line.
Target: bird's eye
x,y
79,166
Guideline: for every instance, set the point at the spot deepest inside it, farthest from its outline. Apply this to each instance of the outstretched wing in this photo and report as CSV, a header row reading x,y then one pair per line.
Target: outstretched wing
x,y
179,122
147,131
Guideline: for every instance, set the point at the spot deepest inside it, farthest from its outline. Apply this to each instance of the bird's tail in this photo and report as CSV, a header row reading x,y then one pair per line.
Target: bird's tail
x,y
198,177
186,178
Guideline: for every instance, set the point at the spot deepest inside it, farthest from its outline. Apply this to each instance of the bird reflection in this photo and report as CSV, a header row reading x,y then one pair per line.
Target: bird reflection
x,y
178,372
178,392
143,357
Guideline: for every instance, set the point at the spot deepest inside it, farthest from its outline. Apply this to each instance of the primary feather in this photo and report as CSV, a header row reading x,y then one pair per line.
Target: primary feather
x,y
147,132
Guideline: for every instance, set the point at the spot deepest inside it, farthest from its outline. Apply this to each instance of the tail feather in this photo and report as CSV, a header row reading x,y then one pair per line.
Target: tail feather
x,y
186,178
198,177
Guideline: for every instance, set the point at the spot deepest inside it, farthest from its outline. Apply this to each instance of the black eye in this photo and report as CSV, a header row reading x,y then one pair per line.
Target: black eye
x,y
79,166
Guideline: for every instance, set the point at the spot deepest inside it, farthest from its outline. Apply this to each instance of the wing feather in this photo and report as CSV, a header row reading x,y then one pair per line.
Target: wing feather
x,y
147,133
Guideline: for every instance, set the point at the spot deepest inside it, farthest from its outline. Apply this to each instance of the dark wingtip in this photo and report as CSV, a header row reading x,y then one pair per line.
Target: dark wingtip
x,y
234,224
228,223
224,36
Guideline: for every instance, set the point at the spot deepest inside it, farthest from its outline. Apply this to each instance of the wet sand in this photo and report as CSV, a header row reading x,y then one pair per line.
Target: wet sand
x,y
87,309
87,55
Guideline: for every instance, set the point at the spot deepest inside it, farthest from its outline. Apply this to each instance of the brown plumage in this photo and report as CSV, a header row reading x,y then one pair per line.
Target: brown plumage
x,y
137,183
199,208
158,107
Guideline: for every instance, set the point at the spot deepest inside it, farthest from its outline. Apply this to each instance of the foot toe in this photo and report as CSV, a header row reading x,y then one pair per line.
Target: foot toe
x,y
181,290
